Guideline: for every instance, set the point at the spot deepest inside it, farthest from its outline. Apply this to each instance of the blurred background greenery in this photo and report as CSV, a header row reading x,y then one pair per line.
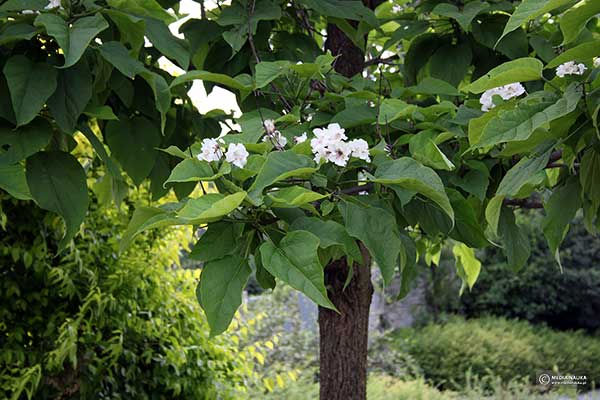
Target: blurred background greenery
x,y
91,324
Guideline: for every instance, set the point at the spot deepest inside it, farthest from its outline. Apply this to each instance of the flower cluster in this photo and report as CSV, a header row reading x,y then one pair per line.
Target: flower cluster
x,y
329,144
596,62
570,68
212,150
506,92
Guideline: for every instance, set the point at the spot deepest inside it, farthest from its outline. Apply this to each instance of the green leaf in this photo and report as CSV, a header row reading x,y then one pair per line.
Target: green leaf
x,y
16,32
521,173
515,242
24,141
20,5
590,176
194,170
574,20
133,142
409,174
370,225
519,70
465,16
220,239
118,55
451,63
210,207
220,290
492,213
352,10
468,228
57,183
330,234
423,149
531,9
172,47
30,85
295,261
522,120
144,8
356,115
100,112
467,265
12,179
225,80
278,166
131,29
584,52
75,38
162,94
560,209
294,196
73,92
435,87
145,218
268,71
263,277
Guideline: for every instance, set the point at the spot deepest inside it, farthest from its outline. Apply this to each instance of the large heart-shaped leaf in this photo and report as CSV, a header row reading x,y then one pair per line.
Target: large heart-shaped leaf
x,y
370,225
519,70
409,174
133,143
24,141
295,261
57,182
220,290
73,92
30,85
74,38
278,166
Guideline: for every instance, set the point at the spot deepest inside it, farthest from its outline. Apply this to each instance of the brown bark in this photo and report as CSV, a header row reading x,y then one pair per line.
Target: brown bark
x,y
344,336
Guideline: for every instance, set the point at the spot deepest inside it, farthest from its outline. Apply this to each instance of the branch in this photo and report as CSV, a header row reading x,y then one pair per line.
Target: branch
x,y
379,60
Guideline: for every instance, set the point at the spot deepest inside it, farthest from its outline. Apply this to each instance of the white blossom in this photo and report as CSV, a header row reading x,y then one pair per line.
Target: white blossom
x,y
332,134
596,62
507,92
269,126
211,150
276,138
53,4
339,153
300,139
570,68
359,148
237,154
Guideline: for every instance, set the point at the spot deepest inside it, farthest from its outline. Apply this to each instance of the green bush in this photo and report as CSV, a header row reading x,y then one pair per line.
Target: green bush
x,y
539,292
500,348
89,324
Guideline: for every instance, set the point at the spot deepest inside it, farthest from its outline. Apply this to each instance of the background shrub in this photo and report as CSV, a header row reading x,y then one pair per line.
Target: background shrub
x,y
498,347
90,324
539,292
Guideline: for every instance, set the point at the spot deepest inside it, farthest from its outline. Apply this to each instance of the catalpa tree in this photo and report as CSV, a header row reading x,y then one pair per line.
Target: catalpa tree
x,y
372,133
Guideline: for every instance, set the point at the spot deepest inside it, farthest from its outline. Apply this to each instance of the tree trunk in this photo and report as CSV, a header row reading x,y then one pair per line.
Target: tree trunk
x,y
344,336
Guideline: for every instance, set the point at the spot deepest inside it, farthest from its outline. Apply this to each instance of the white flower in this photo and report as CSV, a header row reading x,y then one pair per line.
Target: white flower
x,y
276,138
359,148
53,4
211,150
237,154
570,68
269,126
507,92
339,153
332,134
300,139
596,62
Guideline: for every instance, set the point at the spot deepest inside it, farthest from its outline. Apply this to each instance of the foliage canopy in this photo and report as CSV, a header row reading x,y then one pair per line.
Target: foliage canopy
x,y
408,135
